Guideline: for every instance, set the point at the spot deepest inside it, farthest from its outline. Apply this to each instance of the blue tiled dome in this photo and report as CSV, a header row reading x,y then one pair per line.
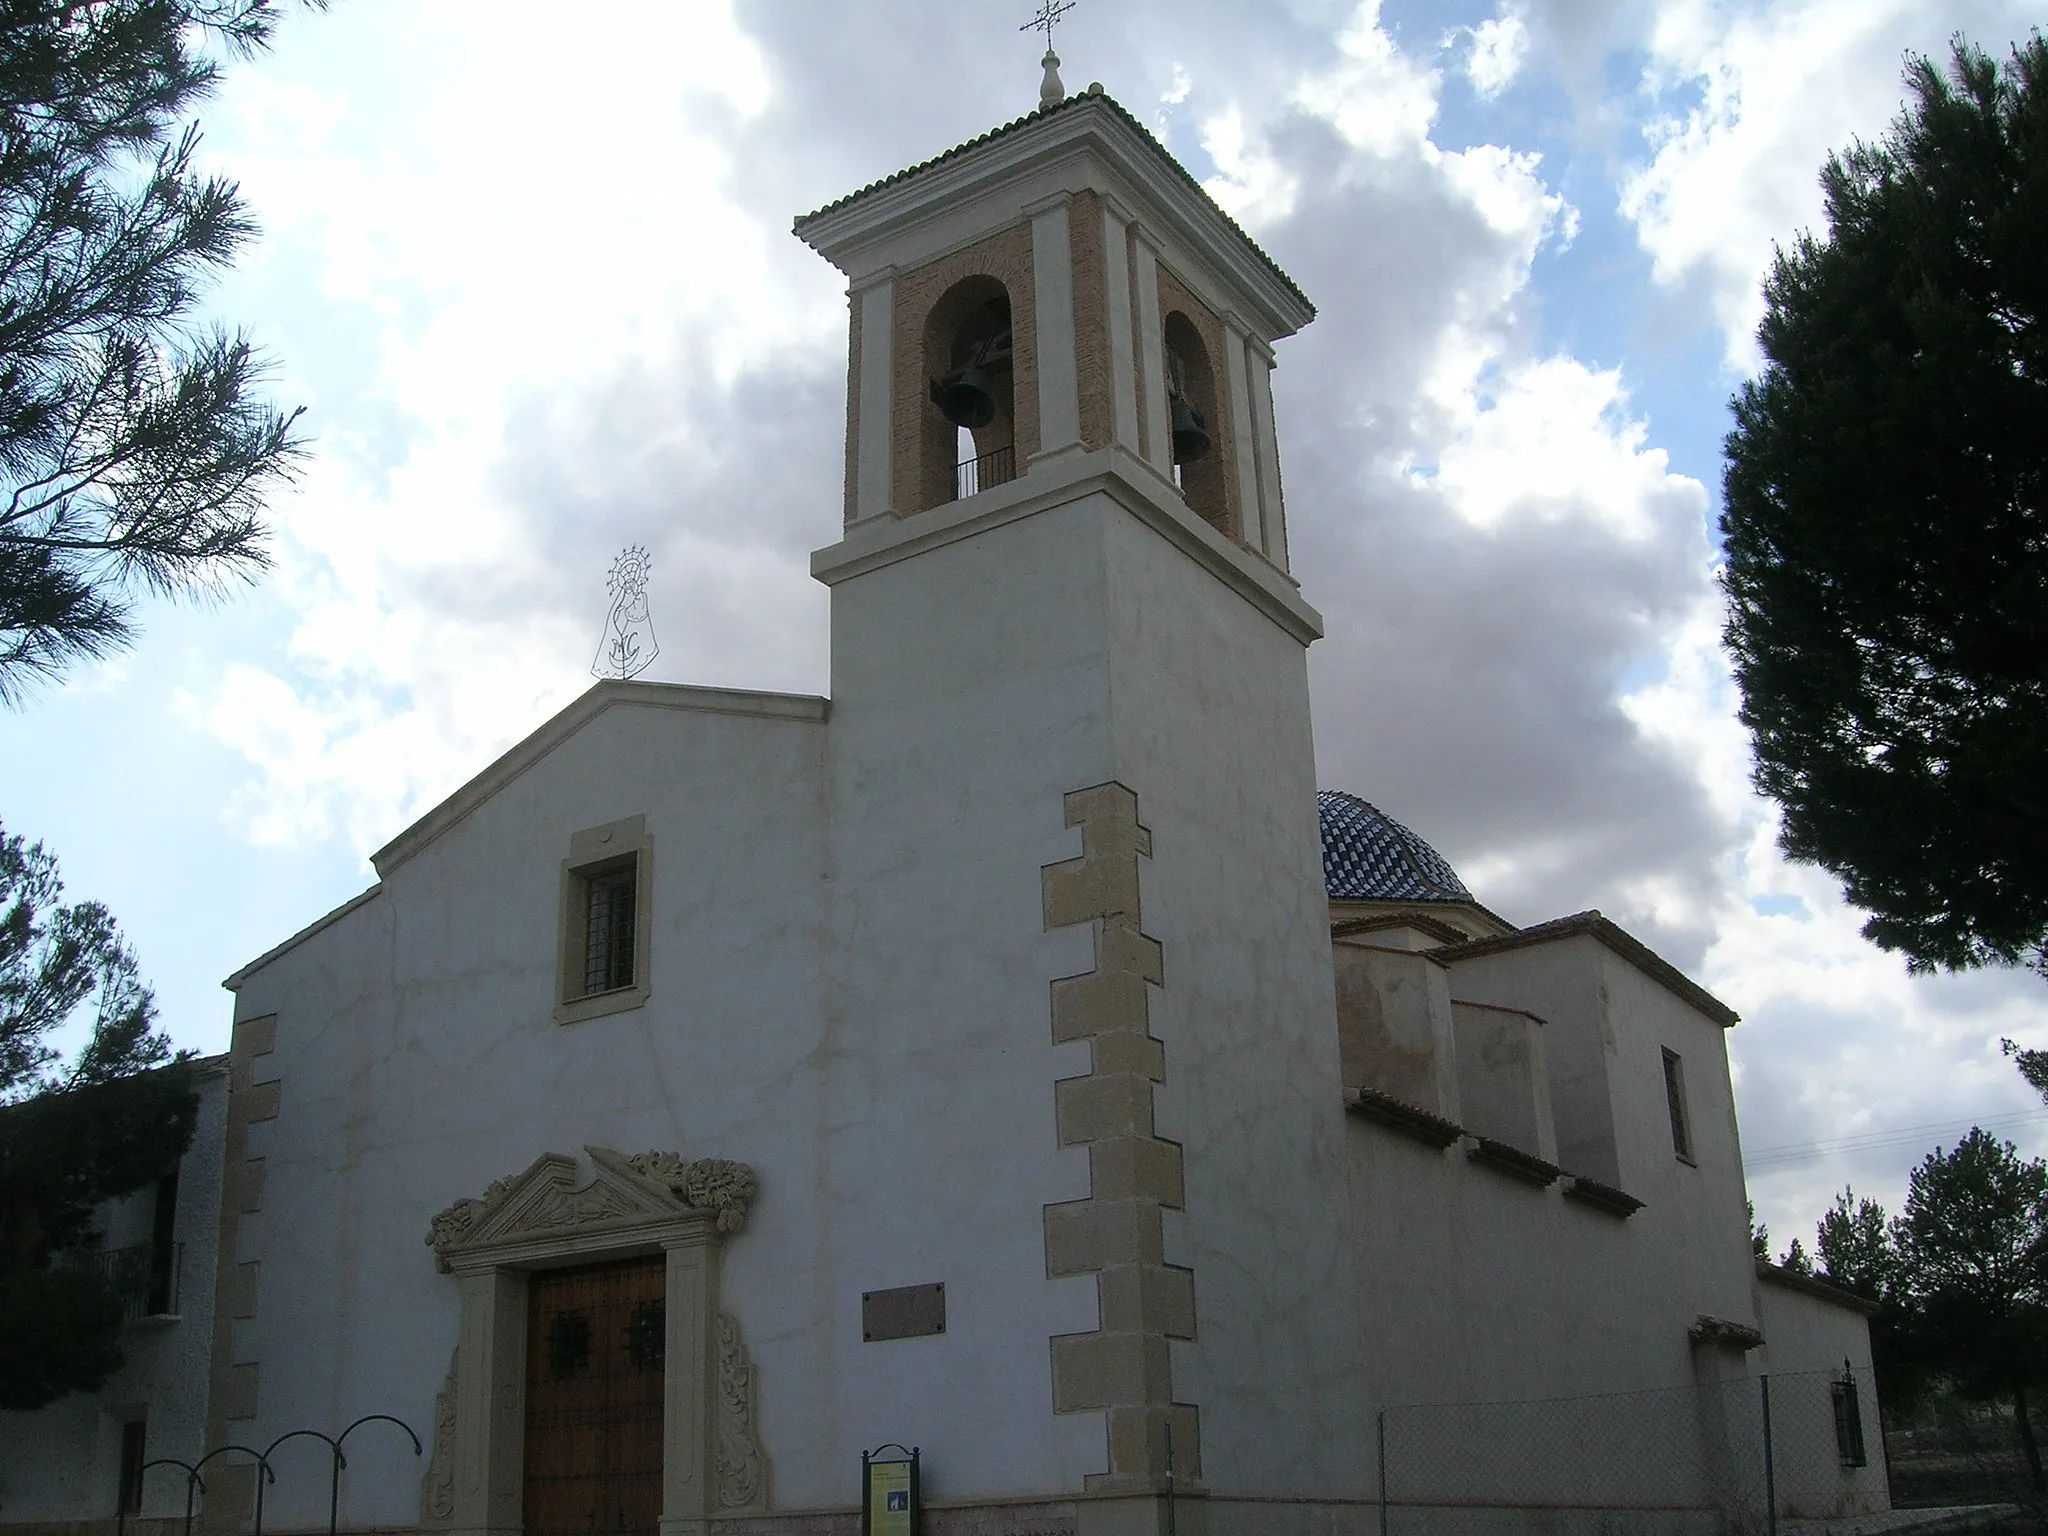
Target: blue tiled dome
x,y
1369,856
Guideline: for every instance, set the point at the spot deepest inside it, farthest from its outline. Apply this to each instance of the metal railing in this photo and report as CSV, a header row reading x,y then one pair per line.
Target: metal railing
x,y
992,468
195,1471
146,1276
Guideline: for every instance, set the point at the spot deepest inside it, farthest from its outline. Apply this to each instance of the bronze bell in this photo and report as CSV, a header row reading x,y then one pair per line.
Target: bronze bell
x,y
966,397
1190,435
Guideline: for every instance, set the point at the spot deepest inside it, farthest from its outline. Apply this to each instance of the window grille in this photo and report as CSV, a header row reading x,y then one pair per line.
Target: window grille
x,y
608,931
1674,1098
1849,1422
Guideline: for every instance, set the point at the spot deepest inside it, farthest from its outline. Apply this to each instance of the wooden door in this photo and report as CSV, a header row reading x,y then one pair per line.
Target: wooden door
x,y
594,1346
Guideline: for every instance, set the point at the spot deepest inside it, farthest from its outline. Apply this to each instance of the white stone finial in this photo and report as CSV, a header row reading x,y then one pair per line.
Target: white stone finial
x,y
1050,92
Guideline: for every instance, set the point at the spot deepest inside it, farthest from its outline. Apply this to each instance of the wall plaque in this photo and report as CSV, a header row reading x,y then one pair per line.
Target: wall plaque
x,y
906,1312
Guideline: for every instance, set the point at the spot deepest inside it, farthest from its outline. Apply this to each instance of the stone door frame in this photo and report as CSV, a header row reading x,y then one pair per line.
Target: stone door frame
x,y
653,1202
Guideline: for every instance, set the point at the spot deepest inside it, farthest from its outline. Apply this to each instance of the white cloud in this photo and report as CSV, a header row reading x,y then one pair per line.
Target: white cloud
x,y
1550,439
1378,99
496,268
1251,184
1499,45
1744,105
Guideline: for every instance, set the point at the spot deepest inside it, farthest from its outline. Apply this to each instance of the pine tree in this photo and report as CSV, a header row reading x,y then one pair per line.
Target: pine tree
x,y
134,456
1972,1244
1886,523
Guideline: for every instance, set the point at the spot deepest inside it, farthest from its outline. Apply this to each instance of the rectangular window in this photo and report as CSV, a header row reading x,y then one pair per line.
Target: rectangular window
x,y
609,919
163,1249
134,1442
1849,1423
1674,1098
606,922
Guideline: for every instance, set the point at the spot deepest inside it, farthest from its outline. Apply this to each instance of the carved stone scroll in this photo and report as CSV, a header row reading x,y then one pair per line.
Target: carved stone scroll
x,y
742,1467
437,1483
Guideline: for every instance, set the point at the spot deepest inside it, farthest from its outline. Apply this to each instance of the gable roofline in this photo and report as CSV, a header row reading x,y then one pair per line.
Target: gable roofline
x,y
817,228
1372,909
234,982
801,708
1429,927
1814,1286
1592,925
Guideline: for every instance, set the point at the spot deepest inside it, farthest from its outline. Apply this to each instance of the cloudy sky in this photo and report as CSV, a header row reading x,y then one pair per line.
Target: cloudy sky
x,y
535,286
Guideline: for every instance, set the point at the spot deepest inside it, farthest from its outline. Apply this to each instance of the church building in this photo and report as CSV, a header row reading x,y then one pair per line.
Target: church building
x,y
1010,1056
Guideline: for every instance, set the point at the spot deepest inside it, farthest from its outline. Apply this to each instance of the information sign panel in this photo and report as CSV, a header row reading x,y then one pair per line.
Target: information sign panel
x,y
889,1492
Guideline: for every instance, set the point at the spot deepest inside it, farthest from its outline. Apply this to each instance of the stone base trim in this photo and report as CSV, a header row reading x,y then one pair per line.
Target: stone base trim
x,y
1122,1368
234,1385
138,1525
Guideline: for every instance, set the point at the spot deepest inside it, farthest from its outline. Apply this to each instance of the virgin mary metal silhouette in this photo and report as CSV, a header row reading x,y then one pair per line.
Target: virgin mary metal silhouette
x,y
628,644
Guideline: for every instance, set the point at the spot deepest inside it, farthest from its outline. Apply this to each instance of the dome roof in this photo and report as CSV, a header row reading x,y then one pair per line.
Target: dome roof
x,y
1369,856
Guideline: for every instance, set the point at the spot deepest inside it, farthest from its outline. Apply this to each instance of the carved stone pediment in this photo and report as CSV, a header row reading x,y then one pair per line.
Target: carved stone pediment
x,y
645,1197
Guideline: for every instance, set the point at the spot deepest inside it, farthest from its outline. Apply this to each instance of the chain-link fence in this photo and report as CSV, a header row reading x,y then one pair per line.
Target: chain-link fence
x,y
1954,1451
1736,1456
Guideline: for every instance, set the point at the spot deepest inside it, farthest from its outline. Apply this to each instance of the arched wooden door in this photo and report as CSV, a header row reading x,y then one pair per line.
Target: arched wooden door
x,y
594,1357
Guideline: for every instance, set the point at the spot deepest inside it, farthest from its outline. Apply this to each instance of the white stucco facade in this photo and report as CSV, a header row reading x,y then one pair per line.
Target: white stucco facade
x,y
1010,968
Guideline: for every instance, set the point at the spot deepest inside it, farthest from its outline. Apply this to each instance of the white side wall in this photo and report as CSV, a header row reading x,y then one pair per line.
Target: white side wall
x,y
1606,1025
1508,1319
1808,1343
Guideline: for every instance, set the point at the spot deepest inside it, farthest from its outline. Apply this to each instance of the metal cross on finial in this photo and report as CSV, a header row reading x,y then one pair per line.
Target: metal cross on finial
x,y
1048,17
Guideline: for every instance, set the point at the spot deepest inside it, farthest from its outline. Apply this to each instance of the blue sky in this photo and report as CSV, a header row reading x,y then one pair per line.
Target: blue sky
x,y
535,286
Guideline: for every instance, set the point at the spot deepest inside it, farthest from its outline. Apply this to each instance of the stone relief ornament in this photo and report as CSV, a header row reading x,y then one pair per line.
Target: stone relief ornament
x,y
453,1224
546,1201
742,1468
570,1208
437,1483
709,1184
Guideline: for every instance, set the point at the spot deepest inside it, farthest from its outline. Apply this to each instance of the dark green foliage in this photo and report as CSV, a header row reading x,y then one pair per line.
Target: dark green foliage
x,y
1971,1276
72,1134
133,456
1855,1246
1886,523
1973,1254
1960,1278
2033,1065
1856,1254
60,1330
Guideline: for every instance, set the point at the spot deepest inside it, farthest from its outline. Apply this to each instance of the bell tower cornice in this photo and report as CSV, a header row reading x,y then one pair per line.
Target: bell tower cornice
x,y
1086,143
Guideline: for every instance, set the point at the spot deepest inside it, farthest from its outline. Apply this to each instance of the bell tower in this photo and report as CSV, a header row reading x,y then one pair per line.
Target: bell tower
x,y
1058,287
1080,934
